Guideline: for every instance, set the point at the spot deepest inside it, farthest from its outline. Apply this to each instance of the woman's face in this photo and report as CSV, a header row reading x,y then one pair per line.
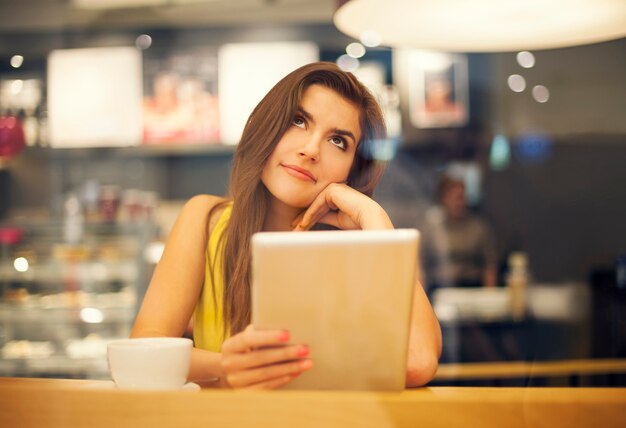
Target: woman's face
x,y
318,148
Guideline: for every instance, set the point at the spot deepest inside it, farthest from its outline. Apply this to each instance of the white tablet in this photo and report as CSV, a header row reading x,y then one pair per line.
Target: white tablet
x,y
347,294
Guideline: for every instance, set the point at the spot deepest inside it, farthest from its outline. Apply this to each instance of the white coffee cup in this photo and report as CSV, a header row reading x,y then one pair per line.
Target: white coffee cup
x,y
150,363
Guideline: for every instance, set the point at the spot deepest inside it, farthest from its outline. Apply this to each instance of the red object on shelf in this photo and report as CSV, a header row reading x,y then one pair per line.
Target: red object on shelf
x,y
10,235
12,138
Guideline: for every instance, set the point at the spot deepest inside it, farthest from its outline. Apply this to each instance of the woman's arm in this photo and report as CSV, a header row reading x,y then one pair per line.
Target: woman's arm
x,y
177,282
424,340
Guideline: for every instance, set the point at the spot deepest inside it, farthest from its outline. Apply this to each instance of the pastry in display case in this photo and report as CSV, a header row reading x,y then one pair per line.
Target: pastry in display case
x,y
61,302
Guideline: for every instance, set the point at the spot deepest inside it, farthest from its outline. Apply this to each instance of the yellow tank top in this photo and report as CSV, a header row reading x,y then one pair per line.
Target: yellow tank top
x,y
208,330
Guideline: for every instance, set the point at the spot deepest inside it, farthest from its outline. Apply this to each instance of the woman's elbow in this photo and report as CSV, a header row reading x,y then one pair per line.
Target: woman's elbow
x,y
421,371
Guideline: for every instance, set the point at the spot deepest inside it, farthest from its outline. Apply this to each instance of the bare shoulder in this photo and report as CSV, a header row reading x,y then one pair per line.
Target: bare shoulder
x,y
202,203
198,209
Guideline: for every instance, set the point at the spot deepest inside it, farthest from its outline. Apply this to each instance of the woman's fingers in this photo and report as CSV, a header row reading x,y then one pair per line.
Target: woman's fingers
x,y
314,212
356,210
321,205
298,219
339,220
353,210
263,357
273,383
337,204
267,373
251,338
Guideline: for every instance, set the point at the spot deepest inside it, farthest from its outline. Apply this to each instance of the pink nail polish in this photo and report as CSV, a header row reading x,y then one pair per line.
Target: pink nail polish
x,y
303,351
284,337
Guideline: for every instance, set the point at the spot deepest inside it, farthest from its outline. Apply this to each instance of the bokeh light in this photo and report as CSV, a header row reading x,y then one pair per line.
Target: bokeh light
x,y
541,94
17,61
143,41
355,50
91,315
517,83
347,63
21,264
526,59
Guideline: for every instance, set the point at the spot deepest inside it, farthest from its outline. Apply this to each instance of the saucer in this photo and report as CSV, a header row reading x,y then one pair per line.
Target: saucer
x,y
109,384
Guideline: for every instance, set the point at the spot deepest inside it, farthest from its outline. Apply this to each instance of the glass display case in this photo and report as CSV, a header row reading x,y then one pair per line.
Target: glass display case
x,y
62,302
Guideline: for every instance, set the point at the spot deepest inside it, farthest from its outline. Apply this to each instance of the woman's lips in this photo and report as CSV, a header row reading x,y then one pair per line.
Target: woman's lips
x,y
299,172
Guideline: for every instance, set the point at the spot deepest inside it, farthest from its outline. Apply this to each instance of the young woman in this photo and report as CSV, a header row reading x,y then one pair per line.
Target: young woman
x,y
302,161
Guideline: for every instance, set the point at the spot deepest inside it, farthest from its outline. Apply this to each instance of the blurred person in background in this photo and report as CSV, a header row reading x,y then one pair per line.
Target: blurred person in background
x,y
302,161
458,248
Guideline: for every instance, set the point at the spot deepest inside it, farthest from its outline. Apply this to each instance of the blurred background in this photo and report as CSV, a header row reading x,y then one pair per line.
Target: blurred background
x,y
113,113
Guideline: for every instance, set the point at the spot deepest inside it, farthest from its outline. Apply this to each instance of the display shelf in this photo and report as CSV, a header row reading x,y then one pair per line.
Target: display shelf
x,y
67,365
178,149
58,311
24,315
58,365
88,272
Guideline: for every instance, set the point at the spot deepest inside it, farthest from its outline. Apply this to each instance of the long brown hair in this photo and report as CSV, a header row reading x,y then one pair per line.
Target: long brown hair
x,y
264,128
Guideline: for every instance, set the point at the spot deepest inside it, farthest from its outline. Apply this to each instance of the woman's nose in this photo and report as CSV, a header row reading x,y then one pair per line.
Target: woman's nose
x,y
310,148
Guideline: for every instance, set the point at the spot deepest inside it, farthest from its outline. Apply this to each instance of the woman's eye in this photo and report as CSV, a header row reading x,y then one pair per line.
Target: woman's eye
x,y
339,142
299,122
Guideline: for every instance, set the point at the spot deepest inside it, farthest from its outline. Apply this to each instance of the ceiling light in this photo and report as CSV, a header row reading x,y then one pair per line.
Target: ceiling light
x,y
116,4
485,25
130,4
370,38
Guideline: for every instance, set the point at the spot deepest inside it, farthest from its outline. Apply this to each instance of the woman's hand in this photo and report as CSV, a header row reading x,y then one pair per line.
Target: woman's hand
x,y
262,359
344,207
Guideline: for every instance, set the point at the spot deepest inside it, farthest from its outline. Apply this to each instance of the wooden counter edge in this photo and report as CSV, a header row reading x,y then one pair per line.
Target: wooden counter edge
x,y
65,403
516,369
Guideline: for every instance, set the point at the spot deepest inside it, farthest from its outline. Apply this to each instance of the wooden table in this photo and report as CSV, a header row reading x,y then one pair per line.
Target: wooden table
x,y
68,403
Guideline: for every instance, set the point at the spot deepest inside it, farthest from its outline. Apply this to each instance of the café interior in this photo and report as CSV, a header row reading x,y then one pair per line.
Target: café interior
x,y
114,113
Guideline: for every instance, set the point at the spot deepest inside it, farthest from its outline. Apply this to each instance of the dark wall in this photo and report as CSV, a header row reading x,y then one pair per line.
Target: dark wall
x,y
567,211
587,87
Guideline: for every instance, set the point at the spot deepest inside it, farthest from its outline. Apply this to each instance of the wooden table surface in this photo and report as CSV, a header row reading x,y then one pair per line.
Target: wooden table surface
x,y
69,403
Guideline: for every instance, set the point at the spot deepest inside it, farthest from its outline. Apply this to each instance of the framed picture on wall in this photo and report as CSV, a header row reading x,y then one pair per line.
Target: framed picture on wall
x,y
180,103
438,90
